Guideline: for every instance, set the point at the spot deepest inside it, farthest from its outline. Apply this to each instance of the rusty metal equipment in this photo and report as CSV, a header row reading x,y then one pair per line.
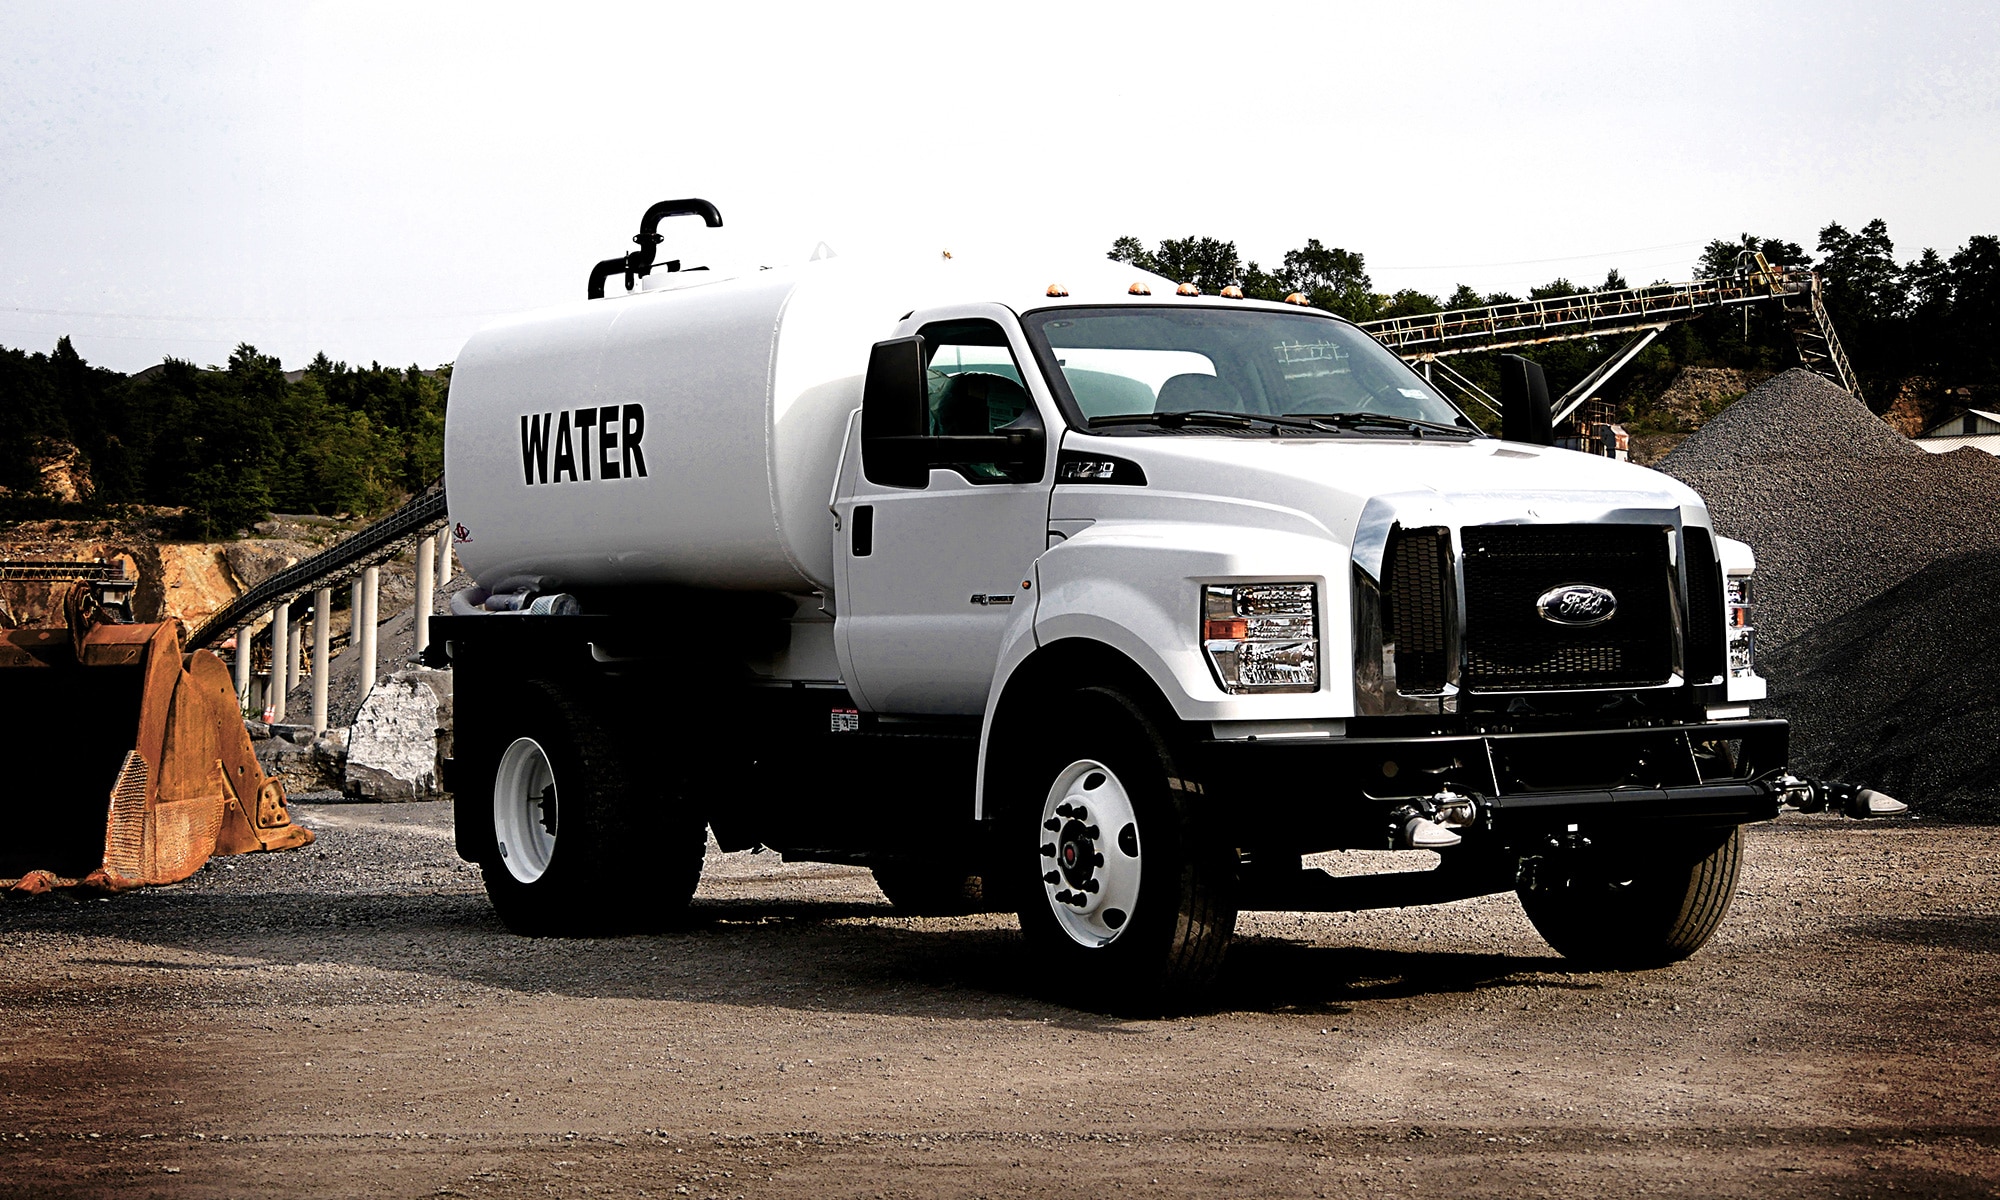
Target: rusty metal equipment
x,y
127,760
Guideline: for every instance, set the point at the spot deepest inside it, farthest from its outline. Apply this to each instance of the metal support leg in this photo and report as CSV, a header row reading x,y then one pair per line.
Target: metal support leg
x,y
444,558
322,617
426,571
281,620
371,591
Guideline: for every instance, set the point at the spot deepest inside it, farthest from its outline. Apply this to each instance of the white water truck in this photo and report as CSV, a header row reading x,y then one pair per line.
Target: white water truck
x,y
1082,595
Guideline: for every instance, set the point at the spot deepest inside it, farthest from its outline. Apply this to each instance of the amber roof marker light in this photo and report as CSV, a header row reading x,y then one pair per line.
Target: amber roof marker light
x,y
1232,292
1139,289
1298,298
1057,289
1187,289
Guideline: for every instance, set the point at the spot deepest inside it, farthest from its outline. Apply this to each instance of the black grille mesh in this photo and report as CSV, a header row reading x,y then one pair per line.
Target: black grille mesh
x,y
1418,618
1509,647
1706,622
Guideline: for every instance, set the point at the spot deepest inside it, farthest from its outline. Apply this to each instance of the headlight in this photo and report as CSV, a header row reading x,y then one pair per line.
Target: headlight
x,y
1742,634
1262,637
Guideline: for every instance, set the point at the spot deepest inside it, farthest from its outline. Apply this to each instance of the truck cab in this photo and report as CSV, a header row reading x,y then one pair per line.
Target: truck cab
x,y
1090,598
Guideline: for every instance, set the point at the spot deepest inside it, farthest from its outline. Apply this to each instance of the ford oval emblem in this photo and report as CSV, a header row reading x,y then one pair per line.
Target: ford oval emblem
x,y
1578,605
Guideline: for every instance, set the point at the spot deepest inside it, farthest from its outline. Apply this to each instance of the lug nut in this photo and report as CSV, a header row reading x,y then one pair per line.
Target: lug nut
x,y
1097,860
1090,885
1090,831
1048,849
1052,877
1052,825
1064,896
1064,810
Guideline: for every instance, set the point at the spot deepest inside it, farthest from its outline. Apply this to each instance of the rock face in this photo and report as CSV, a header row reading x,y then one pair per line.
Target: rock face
x,y
392,748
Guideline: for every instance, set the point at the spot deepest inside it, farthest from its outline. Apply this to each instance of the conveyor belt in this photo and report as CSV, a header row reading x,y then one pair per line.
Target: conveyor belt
x,y
379,541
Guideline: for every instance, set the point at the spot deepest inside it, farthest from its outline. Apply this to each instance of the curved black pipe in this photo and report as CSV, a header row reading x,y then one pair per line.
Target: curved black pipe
x,y
639,263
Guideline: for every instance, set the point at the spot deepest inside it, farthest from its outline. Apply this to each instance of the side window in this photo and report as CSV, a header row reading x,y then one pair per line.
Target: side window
x,y
974,386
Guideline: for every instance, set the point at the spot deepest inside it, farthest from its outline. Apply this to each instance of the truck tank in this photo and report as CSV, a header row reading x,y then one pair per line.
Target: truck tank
x,y
685,437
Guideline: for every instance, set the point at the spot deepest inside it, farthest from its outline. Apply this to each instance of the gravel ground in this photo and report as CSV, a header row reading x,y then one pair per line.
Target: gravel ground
x,y
350,1019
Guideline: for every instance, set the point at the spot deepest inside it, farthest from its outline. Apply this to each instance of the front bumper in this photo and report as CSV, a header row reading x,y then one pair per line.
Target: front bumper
x,y
1309,794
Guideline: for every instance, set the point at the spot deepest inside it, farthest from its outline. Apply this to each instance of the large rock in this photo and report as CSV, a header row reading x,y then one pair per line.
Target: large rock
x,y
392,748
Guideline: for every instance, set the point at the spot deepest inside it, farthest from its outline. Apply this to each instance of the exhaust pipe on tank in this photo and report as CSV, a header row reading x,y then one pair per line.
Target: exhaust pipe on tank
x,y
639,263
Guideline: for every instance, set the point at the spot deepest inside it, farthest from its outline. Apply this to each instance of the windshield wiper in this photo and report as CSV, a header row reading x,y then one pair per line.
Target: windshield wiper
x,y
1210,416
1350,420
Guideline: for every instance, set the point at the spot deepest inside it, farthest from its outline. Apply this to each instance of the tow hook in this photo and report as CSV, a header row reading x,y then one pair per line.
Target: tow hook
x,y
1822,795
1432,822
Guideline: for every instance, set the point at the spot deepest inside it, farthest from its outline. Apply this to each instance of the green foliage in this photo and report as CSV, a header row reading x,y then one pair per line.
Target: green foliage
x,y
227,444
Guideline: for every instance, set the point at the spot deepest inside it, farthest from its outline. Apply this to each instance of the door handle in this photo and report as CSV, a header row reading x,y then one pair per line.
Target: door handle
x,y
862,537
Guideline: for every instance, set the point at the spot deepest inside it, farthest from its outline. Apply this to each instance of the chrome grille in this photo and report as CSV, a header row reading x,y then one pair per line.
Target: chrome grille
x,y
1510,647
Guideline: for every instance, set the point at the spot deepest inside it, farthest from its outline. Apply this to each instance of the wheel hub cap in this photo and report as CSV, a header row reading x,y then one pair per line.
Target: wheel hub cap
x,y
1090,853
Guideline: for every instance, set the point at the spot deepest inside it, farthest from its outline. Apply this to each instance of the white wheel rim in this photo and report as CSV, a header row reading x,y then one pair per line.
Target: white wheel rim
x,y
1090,853
525,810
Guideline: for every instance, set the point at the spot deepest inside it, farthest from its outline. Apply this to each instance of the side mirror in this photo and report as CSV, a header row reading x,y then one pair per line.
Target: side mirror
x,y
895,414
1525,414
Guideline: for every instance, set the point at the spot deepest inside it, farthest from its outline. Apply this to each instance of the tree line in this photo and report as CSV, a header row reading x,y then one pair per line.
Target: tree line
x,y
224,445
227,445
1923,336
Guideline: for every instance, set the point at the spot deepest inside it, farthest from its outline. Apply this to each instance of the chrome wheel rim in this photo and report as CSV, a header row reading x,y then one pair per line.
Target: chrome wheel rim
x,y
525,810
1090,853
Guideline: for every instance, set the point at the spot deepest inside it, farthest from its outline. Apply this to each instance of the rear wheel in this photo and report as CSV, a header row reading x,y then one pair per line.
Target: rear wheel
x,y
1132,902
1641,915
581,845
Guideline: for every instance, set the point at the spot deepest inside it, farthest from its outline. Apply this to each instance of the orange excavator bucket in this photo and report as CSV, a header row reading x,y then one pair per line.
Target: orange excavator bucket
x,y
126,762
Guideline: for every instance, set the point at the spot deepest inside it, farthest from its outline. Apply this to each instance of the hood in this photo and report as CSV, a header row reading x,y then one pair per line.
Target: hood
x,y
1356,488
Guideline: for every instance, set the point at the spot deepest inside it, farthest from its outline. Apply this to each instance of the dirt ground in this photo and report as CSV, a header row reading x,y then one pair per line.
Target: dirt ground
x,y
351,1020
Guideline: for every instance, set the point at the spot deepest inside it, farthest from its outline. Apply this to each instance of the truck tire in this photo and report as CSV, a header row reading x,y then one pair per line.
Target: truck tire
x,y
923,890
580,846
1662,913
1127,898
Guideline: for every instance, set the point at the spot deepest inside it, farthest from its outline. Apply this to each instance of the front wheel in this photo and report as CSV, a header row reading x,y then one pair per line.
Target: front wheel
x,y
1132,904
1639,915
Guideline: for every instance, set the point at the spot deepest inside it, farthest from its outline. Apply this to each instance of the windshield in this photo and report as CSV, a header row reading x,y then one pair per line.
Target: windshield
x,y
1123,365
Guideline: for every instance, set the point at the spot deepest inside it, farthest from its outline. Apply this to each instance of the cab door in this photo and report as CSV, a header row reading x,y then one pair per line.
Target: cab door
x,y
936,561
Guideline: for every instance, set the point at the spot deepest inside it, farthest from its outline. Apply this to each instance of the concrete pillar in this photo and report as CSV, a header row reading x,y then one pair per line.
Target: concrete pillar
x,y
371,591
426,571
444,558
354,615
281,622
322,617
295,660
243,644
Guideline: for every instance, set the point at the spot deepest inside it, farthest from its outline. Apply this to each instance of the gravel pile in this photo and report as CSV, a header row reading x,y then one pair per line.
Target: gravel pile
x,y
1878,583
1838,506
1899,692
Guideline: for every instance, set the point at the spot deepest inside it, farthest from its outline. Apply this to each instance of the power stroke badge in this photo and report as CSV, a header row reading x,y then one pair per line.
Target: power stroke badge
x,y
1578,605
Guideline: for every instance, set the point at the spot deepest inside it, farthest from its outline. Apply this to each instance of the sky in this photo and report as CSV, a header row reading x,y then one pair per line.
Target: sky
x,y
378,181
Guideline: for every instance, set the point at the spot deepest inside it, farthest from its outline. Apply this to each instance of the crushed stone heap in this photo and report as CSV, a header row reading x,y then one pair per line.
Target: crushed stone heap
x,y
1899,693
1878,583
1838,506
